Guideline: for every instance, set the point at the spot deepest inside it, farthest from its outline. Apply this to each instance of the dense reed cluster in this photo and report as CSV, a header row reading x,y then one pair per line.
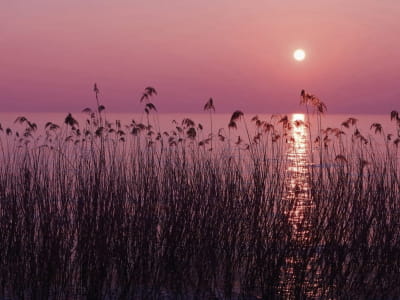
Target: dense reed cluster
x,y
104,210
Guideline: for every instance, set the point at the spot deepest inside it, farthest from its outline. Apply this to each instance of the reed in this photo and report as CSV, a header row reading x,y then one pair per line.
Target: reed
x,y
104,210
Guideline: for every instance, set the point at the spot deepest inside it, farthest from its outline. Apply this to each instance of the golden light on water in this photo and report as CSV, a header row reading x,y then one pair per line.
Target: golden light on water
x,y
297,192
298,117
298,152
298,184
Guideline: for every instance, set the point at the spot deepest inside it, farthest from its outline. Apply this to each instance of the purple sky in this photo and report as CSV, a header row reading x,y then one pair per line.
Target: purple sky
x,y
238,52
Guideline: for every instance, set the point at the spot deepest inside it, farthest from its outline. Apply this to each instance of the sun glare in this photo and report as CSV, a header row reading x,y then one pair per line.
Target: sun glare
x,y
299,54
298,117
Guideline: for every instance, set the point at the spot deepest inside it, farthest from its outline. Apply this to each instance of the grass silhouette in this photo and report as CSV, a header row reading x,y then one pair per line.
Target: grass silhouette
x,y
106,210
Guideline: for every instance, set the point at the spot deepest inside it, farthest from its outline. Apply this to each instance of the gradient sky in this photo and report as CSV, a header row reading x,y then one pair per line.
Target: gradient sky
x,y
238,52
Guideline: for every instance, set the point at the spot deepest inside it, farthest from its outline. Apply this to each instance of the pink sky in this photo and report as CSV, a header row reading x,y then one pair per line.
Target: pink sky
x,y
238,52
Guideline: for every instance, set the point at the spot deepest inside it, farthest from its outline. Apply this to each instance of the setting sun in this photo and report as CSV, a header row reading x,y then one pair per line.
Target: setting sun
x,y
299,54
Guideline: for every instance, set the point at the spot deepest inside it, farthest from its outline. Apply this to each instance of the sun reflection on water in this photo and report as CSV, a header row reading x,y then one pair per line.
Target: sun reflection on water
x,y
298,185
298,193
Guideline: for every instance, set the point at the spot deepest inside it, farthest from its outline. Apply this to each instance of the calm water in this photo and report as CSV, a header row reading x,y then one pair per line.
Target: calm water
x,y
219,120
218,124
297,154
298,151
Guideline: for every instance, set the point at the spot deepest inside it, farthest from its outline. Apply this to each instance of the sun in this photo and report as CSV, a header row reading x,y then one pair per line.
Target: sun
x,y
299,54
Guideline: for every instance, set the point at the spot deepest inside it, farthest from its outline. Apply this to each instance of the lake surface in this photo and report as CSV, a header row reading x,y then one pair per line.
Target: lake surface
x,y
255,216
217,123
219,120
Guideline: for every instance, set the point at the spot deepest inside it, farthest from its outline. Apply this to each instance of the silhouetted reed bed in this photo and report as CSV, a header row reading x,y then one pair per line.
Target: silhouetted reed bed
x,y
107,210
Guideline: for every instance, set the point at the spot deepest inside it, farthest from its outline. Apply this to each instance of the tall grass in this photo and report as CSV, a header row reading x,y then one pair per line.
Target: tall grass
x,y
111,211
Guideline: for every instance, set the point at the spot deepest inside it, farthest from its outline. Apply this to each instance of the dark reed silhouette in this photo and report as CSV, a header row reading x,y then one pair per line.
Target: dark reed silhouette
x,y
104,210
